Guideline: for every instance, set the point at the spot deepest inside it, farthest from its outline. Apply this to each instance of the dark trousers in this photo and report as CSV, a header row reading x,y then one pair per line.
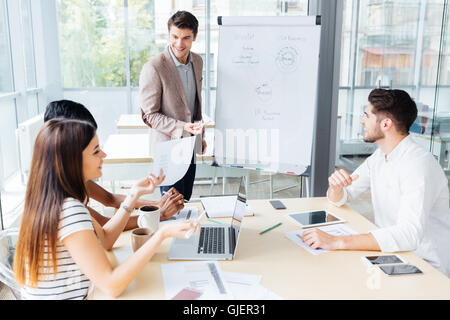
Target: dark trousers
x,y
185,184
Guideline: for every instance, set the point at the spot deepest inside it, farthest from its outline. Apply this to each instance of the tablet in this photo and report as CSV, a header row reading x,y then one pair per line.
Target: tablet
x,y
315,218
391,259
400,270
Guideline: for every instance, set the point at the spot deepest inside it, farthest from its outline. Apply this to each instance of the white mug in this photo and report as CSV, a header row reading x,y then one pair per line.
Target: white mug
x,y
149,217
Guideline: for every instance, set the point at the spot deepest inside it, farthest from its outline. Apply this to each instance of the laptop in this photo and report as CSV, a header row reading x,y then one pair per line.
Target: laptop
x,y
215,241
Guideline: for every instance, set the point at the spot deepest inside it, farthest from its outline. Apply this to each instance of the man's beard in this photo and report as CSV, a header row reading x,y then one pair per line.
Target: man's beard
x,y
374,137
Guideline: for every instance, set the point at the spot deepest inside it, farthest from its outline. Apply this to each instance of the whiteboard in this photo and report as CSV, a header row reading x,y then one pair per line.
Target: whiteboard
x,y
266,92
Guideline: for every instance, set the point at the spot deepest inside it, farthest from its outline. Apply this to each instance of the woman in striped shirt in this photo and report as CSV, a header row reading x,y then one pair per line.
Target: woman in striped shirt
x,y
60,250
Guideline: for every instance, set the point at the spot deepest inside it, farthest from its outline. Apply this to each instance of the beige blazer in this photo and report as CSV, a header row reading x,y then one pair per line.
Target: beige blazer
x,y
162,99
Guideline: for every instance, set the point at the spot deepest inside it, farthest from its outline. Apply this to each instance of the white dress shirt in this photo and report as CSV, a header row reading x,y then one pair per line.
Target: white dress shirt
x,y
410,199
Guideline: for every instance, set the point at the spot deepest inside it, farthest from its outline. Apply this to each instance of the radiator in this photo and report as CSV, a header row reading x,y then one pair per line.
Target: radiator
x,y
26,135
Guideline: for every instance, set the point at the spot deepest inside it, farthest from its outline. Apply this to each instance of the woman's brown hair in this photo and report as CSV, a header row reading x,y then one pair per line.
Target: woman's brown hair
x,y
56,173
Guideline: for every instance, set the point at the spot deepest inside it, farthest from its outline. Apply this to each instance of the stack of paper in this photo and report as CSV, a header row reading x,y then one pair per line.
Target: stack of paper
x,y
221,206
204,276
207,277
248,287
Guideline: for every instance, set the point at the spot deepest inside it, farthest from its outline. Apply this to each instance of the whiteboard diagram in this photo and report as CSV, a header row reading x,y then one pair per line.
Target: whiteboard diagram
x,y
288,59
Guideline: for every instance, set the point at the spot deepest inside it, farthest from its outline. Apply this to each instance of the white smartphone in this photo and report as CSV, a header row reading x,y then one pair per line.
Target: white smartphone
x,y
384,260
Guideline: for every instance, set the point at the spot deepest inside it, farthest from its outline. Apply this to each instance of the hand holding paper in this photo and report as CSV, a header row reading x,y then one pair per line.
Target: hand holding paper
x,y
174,158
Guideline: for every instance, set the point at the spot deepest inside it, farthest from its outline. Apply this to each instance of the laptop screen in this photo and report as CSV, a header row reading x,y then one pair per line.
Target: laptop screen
x,y
238,214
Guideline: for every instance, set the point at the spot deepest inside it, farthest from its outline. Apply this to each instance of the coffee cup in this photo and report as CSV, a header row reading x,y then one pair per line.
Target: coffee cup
x,y
149,217
139,236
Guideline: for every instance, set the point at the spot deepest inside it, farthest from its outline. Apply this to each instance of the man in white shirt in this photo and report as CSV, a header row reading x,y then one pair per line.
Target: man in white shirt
x,y
409,189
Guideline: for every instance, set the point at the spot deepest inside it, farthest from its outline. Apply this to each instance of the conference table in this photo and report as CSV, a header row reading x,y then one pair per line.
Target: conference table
x,y
290,271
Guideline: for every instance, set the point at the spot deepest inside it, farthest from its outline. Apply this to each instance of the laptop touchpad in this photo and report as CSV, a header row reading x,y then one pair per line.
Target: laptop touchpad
x,y
189,242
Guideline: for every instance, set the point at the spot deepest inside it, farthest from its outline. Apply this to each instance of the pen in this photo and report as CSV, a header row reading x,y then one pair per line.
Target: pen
x,y
268,229
215,221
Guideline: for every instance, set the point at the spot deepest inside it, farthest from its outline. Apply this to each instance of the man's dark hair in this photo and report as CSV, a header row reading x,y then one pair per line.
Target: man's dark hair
x,y
184,20
395,104
69,110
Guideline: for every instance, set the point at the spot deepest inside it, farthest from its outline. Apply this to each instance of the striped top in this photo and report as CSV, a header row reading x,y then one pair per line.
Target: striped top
x,y
70,283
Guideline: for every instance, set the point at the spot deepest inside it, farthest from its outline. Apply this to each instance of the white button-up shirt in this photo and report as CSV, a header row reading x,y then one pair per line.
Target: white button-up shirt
x,y
410,198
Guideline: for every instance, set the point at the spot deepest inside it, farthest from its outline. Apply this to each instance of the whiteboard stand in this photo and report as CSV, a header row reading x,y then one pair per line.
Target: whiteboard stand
x,y
304,182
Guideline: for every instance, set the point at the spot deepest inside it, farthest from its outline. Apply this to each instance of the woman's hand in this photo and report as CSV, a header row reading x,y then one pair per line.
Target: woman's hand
x,y
147,185
179,230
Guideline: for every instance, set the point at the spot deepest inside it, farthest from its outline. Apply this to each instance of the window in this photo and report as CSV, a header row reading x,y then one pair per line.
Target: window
x,y
92,43
6,83
387,35
28,43
144,42
444,78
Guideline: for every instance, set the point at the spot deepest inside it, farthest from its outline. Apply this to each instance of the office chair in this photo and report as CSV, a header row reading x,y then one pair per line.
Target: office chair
x,y
8,241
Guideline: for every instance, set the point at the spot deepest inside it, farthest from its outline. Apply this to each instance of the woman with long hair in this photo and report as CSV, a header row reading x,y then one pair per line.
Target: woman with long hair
x,y
60,251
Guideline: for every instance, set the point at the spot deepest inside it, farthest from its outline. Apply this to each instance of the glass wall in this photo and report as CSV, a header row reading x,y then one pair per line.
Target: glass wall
x,y
400,44
20,93
441,120
6,84
28,44
92,42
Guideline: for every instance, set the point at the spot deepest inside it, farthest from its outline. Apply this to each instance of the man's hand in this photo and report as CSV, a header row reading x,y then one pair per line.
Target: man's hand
x,y
341,179
316,239
171,203
194,128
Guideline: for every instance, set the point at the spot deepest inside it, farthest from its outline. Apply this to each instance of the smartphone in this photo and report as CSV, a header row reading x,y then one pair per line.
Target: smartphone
x,y
187,294
392,259
398,270
277,204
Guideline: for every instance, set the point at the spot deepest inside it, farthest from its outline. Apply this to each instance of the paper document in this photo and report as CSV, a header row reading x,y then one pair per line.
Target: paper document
x,y
222,206
247,287
335,230
174,157
204,276
187,213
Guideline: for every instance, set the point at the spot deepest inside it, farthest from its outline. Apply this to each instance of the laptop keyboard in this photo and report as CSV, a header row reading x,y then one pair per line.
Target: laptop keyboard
x,y
211,240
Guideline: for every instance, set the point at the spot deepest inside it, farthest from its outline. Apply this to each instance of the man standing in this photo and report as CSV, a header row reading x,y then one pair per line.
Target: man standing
x,y
409,189
170,87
